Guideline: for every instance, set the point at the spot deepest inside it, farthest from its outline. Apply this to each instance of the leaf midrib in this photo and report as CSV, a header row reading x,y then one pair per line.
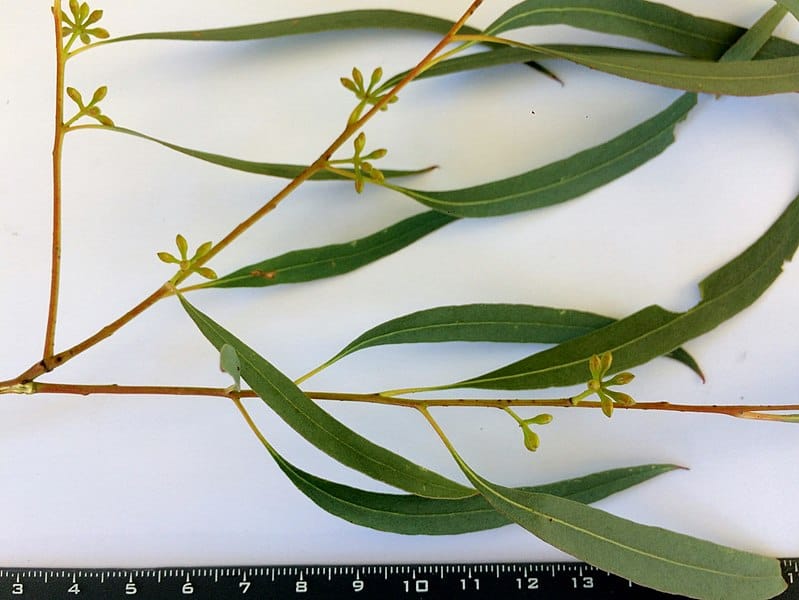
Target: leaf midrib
x,y
551,518
621,16
313,263
369,342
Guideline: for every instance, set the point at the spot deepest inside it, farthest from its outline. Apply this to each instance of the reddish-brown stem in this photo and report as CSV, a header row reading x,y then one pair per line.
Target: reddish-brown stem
x,y
732,410
58,142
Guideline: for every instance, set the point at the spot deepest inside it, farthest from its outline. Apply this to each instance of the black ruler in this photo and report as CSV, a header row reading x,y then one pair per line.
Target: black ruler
x,y
562,580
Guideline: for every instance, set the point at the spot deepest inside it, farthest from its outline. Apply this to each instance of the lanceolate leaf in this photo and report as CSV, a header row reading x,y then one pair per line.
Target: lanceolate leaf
x,y
518,323
648,21
259,168
564,179
751,78
345,20
319,427
413,515
328,261
654,331
650,556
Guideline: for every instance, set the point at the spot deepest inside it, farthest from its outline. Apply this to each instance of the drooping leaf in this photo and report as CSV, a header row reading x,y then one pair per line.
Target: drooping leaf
x,y
414,515
564,179
327,261
649,556
318,427
651,22
258,168
654,331
340,21
519,323
751,78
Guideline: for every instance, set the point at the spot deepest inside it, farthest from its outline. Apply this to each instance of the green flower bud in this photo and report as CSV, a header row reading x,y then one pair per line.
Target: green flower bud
x,y
182,245
357,77
360,143
606,402
621,398
542,419
531,439
95,16
98,32
168,258
99,94
377,75
75,95
621,379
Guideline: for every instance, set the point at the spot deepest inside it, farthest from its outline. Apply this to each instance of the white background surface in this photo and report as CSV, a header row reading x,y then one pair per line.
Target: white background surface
x,y
125,481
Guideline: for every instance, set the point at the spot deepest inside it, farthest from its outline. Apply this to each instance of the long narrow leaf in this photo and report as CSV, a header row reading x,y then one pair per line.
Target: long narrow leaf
x,y
327,261
319,427
650,556
647,21
413,515
259,168
654,331
345,20
751,78
519,323
564,179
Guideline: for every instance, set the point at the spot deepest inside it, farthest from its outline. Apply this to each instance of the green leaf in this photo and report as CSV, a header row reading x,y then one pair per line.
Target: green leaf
x,y
564,179
648,21
519,323
414,515
752,78
791,6
259,168
340,21
751,41
318,427
649,556
328,261
654,331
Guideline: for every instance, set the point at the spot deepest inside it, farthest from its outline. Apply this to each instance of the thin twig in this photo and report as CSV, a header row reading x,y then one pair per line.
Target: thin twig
x,y
747,411
58,143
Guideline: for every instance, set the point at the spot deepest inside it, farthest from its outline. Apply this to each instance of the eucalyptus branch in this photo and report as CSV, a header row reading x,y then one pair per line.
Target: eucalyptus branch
x,y
745,411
